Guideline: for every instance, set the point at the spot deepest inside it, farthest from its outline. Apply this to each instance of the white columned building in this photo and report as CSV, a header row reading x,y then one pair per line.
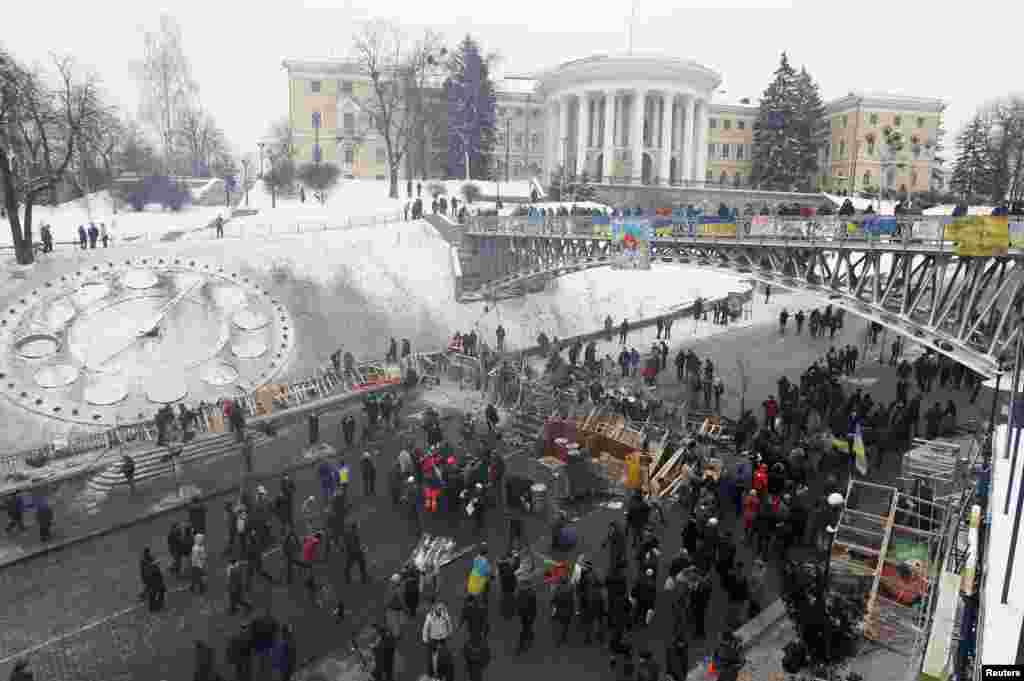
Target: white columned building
x,y
610,98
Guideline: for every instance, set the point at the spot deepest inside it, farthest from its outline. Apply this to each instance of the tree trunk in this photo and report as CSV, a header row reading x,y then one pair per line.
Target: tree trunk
x,y
23,246
393,181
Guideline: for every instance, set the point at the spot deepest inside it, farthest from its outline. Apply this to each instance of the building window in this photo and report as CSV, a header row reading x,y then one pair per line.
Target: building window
x,y
712,123
350,156
518,143
723,178
874,119
842,148
349,121
828,152
517,169
501,168
726,124
871,147
712,150
739,152
534,142
346,87
737,180
709,176
920,121
917,151
501,140
897,121
845,120
741,125
314,86
382,155
725,152
913,178
867,178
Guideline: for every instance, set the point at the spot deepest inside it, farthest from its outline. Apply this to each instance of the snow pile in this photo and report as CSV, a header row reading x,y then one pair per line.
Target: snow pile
x,y
881,207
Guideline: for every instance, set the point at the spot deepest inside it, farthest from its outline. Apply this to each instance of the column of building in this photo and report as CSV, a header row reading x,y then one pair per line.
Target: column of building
x,y
667,100
701,143
636,135
677,138
608,143
582,131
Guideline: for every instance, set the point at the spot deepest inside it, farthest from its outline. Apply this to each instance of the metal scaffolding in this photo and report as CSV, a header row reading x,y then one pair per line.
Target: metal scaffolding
x,y
896,541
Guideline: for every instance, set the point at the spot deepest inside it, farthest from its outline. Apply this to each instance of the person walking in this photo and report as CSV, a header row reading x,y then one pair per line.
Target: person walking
x,y
623,331
526,607
44,518
477,654
562,608
198,564
355,553
369,474
437,628
285,656
384,654
104,236
240,653
82,236
236,588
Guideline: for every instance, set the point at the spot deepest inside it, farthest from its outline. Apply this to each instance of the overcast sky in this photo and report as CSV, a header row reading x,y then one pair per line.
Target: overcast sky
x,y
960,52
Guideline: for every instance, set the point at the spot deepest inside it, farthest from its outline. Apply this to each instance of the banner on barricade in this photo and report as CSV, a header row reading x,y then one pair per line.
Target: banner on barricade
x,y
601,220
602,231
854,230
536,220
877,225
761,225
718,227
980,235
930,230
632,239
791,228
1017,234
664,231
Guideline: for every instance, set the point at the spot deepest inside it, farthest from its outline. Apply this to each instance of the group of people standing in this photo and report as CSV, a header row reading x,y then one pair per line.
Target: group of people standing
x,y
89,235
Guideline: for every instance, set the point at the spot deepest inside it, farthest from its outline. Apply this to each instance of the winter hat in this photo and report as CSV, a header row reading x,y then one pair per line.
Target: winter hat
x,y
396,578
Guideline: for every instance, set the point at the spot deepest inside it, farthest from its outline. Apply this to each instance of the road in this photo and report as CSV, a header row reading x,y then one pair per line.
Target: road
x,y
76,612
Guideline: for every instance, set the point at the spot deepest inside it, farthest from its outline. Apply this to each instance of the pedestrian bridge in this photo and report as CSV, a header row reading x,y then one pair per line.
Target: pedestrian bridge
x,y
915,280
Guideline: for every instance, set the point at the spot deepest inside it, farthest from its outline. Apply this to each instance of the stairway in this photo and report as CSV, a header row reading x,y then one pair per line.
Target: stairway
x,y
536,404
452,233
148,464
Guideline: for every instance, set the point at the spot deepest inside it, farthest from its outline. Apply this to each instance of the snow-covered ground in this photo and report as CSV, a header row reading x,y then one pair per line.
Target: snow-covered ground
x,y
149,224
948,208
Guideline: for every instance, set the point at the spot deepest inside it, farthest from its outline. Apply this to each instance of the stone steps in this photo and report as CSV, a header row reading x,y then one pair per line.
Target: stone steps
x,y
149,464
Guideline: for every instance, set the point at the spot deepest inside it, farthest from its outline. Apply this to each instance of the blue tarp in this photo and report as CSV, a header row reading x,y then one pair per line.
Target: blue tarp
x,y
880,224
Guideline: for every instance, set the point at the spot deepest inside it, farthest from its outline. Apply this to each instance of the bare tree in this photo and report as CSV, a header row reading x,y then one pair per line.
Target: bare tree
x,y
41,129
202,139
96,157
281,143
165,78
400,70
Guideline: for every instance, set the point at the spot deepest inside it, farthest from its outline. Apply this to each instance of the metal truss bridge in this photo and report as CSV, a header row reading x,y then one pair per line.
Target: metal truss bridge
x,y
968,308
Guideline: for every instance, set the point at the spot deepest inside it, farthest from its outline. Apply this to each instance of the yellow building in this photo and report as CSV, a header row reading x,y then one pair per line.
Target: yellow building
x,y
853,155
730,144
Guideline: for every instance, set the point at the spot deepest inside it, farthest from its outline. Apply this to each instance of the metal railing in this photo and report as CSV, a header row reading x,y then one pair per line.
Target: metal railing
x,y
909,230
248,229
323,383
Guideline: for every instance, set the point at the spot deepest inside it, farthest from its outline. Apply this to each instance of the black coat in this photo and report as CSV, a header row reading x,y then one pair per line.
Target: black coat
x,y
526,604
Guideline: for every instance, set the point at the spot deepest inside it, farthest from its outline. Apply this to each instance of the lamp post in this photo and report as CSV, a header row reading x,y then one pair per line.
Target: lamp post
x,y
835,502
245,179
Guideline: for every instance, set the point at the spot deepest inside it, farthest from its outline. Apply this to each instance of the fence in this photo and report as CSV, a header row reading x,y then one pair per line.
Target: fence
x,y
324,382
918,230
266,229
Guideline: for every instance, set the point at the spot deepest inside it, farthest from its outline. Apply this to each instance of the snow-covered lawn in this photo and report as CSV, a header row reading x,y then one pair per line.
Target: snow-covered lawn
x,y
149,224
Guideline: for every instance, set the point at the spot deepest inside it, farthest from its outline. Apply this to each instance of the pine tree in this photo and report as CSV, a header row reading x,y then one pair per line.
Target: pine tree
x,y
472,117
971,171
809,112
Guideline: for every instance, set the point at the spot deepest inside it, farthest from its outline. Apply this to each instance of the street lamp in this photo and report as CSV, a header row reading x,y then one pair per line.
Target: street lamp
x,y
835,503
245,179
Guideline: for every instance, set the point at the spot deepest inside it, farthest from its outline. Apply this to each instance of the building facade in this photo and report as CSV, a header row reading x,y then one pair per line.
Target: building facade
x,y
629,119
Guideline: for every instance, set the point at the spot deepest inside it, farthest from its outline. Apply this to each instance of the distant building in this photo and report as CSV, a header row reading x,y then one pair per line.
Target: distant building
x,y
582,114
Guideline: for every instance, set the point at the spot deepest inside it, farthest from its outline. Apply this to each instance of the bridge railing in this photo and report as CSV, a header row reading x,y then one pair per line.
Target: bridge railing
x,y
917,229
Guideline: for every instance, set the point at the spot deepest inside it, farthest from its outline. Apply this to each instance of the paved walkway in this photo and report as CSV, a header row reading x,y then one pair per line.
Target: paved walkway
x,y
76,610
